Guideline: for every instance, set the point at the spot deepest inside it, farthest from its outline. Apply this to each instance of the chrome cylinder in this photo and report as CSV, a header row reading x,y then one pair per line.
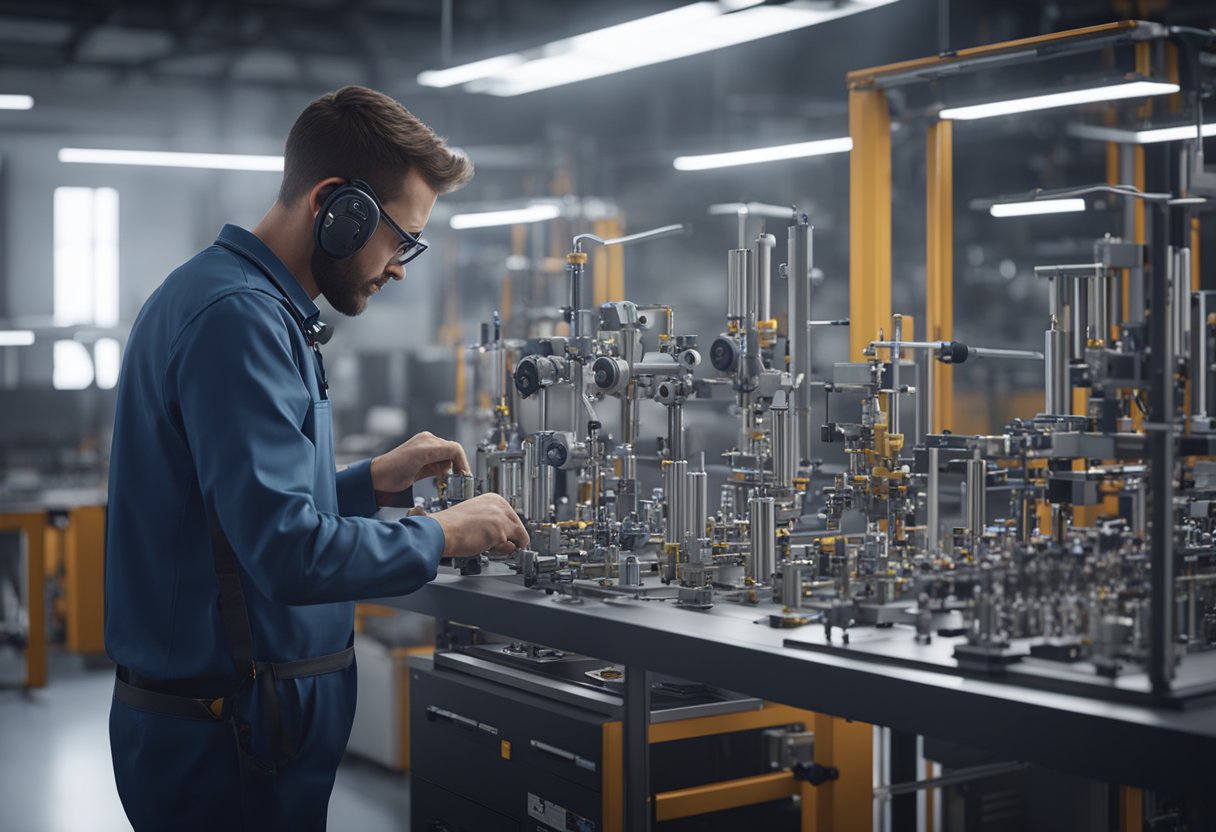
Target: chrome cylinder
x,y
784,449
976,497
933,504
1180,300
631,571
510,483
1203,304
528,478
1057,396
799,278
675,430
698,501
762,527
738,283
1099,308
792,573
675,484
763,276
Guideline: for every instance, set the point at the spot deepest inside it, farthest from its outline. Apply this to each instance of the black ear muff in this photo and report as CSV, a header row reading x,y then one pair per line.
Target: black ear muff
x,y
346,221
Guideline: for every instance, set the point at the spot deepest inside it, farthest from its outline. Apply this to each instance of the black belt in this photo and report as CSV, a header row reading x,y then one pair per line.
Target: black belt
x,y
210,699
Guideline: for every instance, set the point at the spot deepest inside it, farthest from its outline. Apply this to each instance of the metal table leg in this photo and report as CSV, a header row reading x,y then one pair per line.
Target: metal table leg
x,y
637,749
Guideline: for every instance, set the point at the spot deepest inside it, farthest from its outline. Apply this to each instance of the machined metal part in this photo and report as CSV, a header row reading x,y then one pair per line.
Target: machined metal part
x,y
798,274
698,515
784,447
764,245
738,283
1057,387
976,503
675,483
762,530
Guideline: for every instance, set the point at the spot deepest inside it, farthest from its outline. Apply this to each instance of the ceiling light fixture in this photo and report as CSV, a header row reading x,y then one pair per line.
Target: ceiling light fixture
x,y
515,216
1039,206
16,102
820,147
16,338
678,33
167,159
1111,92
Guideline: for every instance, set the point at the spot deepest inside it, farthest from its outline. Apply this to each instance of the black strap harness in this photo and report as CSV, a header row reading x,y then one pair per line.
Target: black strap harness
x,y
212,699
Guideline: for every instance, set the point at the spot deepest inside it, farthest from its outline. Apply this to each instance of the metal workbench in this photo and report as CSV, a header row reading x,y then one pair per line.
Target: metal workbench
x,y
1151,747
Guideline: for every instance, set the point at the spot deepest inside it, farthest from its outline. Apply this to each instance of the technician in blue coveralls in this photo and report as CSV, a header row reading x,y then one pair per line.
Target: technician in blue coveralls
x,y
234,550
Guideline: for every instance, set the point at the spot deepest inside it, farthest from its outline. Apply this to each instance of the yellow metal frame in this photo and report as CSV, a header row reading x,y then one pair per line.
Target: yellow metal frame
x,y
32,525
870,203
842,804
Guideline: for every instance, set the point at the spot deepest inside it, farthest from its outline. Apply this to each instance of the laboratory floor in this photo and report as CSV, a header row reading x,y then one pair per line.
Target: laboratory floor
x,y
55,772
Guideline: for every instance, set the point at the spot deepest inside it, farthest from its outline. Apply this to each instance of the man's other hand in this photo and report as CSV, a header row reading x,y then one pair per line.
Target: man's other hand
x,y
486,523
424,455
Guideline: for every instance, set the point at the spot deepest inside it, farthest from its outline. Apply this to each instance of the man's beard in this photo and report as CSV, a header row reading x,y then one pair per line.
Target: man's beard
x,y
340,282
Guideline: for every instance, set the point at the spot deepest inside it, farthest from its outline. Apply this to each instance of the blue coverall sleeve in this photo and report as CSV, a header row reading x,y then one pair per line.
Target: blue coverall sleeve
x,y
245,413
356,497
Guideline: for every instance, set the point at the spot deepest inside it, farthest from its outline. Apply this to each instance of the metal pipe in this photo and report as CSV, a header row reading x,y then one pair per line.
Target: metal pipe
x,y
792,573
1080,318
976,498
933,504
528,473
924,395
799,277
763,275
698,501
1057,395
675,483
784,447
1098,324
762,528
675,430
897,332
1181,301
1202,305
738,283
509,483
954,778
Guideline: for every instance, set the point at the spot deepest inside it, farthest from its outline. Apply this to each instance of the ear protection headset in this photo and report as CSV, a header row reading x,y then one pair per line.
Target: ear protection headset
x,y
347,219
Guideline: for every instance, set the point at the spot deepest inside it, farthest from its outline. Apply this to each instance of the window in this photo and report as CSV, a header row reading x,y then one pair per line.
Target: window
x,y
86,284
86,256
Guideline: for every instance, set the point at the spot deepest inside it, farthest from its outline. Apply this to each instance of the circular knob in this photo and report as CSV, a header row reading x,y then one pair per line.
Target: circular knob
x,y
723,355
527,378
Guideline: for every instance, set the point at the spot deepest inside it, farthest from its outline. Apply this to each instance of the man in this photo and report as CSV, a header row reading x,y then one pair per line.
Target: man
x,y
234,549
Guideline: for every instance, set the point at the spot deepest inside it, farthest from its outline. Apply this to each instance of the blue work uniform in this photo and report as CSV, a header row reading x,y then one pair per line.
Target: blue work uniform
x,y
223,427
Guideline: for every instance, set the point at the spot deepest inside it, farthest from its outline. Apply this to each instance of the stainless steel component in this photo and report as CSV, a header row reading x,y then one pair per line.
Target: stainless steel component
x,y
784,447
631,571
459,487
799,277
698,493
933,504
893,416
1058,394
738,284
652,234
792,574
762,519
511,482
675,430
1180,300
1203,307
976,504
675,483
763,276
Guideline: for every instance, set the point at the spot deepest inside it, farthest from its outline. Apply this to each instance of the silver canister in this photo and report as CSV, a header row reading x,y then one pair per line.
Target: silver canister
x,y
784,447
698,501
738,283
675,484
762,527
792,573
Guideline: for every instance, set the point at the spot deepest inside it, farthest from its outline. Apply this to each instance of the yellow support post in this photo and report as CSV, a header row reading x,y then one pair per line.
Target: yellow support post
x,y
869,217
845,805
939,263
84,578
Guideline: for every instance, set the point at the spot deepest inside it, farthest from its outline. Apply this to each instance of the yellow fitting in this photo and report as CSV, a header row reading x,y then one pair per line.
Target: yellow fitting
x,y
770,324
732,326
577,258
663,336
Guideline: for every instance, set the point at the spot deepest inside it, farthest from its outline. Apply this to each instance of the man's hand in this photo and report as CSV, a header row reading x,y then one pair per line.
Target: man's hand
x,y
424,455
486,523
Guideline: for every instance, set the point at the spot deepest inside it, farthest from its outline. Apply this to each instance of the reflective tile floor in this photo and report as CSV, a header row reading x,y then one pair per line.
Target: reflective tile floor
x,y
55,769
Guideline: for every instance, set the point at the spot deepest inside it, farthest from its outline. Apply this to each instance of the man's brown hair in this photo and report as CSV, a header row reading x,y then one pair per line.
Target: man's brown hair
x,y
358,133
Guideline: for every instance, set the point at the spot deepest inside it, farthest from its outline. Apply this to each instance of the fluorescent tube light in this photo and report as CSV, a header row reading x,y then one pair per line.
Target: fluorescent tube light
x,y
687,30
1039,206
533,213
464,73
16,338
166,159
16,102
1173,134
754,156
1130,89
